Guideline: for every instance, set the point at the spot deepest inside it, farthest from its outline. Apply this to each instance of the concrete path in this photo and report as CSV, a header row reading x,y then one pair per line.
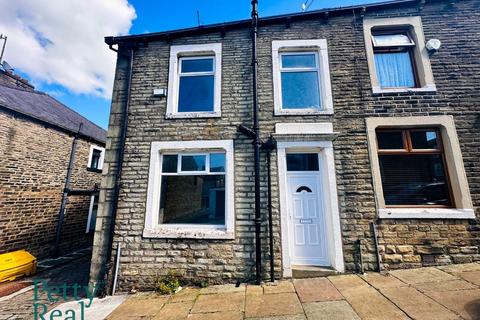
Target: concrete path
x,y
450,292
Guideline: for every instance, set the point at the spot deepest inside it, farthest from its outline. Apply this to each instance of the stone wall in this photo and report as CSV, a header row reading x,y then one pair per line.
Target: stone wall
x,y
456,69
33,167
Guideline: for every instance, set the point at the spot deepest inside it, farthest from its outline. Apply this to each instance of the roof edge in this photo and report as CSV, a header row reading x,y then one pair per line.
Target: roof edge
x,y
111,40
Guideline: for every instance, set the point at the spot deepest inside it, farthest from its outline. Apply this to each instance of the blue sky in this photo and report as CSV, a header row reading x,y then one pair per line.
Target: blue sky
x,y
154,16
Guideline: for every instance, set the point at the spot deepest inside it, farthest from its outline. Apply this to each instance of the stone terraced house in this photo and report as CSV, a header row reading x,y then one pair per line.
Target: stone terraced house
x,y
369,119
36,141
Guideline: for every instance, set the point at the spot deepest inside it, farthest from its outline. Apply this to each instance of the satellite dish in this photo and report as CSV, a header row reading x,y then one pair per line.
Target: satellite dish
x,y
7,67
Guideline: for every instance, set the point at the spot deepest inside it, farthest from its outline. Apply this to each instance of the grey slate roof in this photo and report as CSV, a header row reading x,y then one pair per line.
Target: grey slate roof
x,y
43,107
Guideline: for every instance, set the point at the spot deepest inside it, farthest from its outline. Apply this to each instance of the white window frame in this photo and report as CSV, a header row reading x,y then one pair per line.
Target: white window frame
x,y
195,51
454,163
421,60
317,46
90,157
154,229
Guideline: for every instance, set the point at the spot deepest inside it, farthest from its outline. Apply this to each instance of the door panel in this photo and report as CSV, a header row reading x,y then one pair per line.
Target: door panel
x,y
307,219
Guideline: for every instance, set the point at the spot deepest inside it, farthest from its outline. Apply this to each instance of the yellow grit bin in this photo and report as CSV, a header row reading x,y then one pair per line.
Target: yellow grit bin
x,y
16,264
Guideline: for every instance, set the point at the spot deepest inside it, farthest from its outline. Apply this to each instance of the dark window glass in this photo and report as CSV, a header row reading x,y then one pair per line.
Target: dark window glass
x,y
394,69
217,162
194,163
300,90
424,139
414,179
95,163
302,162
306,60
197,65
169,163
195,199
390,140
196,93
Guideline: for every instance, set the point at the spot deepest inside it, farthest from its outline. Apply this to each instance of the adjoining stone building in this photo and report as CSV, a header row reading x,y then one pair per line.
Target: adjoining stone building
x,y
373,123
36,137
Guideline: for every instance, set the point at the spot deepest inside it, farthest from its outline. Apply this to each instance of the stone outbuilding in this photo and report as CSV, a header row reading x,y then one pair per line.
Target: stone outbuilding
x,y
37,135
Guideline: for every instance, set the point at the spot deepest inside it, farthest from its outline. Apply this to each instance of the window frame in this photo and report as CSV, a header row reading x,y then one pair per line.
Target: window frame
x,y
100,160
300,69
398,48
419,54
186,52
153,228
460,193
90,212
318,46
409,150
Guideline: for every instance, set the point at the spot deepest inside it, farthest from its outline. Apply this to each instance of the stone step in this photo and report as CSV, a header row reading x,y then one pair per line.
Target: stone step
x,y
301,272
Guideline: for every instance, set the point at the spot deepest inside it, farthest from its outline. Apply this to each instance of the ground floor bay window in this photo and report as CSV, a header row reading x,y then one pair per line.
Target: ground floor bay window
x,y
417,168
190,191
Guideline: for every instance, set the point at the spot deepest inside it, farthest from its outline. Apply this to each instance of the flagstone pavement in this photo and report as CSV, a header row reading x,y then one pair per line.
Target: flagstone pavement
x,y
448,292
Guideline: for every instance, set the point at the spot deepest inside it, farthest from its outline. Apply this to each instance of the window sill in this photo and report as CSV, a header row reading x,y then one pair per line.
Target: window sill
x,y
303,112
189,233
427,89
425,213
184,115
94,170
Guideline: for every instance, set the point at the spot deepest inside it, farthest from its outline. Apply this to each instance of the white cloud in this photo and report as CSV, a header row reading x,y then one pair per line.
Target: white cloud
x,y
61,42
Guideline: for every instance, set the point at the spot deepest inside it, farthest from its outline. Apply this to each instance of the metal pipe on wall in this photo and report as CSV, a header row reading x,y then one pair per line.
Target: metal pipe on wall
x,y
61,213
256,145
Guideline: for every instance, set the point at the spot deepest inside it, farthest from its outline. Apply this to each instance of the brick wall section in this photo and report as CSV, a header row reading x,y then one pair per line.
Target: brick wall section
x,y
33,167
456,69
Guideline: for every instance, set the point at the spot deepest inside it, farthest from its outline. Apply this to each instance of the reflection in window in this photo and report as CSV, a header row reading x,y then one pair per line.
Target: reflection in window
x,y
300,81
390,140
193,162
95,162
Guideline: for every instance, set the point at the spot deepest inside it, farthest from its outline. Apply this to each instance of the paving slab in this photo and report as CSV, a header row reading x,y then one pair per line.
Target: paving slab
x,y
254,289
367,302
289,317
328,310
187,294
223,288
471,276
316,289
466,303
234,301
451,285
457,268
225,315
278,287
412,276
138,306
174,311
268,305
381,281
418,305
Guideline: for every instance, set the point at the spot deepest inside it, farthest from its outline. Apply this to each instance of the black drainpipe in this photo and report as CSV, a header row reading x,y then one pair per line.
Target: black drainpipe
x,y
61,213
255,135
256,144
118,174
268,147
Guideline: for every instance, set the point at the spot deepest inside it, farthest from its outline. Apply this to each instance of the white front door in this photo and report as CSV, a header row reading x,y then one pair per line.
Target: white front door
x,y
308,241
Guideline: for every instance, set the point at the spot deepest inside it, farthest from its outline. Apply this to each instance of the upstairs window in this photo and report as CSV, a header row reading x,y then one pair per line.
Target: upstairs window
x,y
300,80
394,60
194,82
95,160
301,77
412,168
